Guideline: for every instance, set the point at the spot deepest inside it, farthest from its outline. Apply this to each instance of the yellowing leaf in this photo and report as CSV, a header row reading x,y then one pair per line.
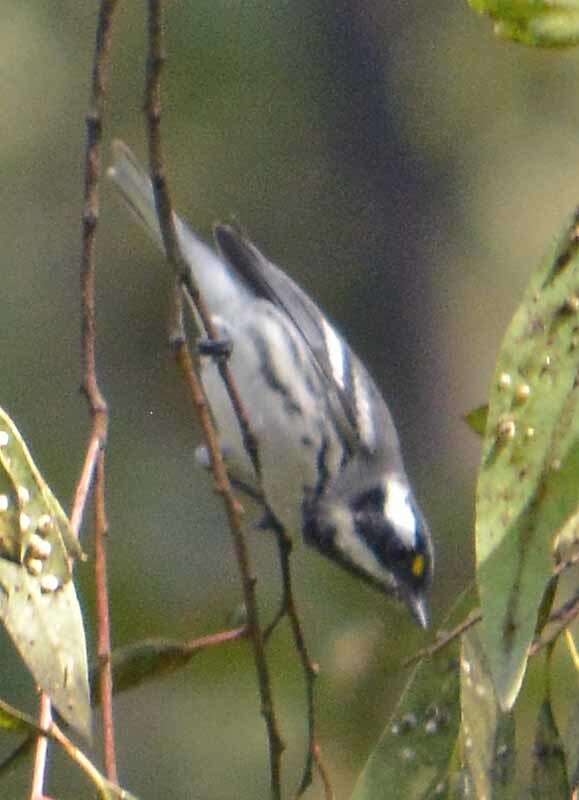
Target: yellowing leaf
x,y
38,602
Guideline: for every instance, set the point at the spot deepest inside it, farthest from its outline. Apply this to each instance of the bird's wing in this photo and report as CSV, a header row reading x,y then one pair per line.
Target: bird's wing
x,y
359,410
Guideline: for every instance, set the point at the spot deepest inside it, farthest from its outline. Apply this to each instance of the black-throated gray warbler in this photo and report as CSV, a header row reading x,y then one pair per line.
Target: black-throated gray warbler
x,y
329,453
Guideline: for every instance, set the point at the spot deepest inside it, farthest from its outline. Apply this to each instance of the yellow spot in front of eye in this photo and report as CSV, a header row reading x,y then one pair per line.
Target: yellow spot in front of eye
x,y
418,566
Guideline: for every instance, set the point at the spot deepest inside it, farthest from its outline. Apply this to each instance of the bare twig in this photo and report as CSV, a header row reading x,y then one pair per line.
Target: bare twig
x,y
566,564
444,639
557,623
89,383
216,639
39,772
52,731
328,791
233,510
223,486
310,669
104,630
560,619
82,761
98,406
83,487
165,210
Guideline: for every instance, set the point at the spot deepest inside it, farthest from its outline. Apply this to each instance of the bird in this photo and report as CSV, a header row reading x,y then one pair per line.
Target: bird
x,y
330,461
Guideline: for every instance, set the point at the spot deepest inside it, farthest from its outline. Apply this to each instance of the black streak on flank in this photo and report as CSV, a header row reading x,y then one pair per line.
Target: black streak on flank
x,y
270,377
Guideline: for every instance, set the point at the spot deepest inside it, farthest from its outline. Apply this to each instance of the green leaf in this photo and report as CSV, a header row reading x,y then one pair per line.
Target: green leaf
x,y
549,772
536,23
477,419
30,514
419,742
47,629
528,486
487,734
562,684
415,749
143,661
572,745
38,602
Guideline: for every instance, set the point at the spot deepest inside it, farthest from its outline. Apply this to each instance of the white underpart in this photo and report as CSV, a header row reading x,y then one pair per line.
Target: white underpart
x,y
354,548
335,350
286,465
398,510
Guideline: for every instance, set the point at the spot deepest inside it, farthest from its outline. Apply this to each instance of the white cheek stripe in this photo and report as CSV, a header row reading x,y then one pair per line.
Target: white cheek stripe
x,y
398,510
335,353
356,551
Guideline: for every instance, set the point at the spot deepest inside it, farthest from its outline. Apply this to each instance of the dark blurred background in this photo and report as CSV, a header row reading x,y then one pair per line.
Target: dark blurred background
x,y
408,170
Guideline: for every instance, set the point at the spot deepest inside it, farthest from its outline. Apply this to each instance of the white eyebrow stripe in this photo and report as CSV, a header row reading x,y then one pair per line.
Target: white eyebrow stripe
x,y
398,510
336,354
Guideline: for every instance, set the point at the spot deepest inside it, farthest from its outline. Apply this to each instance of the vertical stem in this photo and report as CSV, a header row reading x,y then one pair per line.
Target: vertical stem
x,y
89,383
309,668
254,630
104,630
39,773
152,109
90,386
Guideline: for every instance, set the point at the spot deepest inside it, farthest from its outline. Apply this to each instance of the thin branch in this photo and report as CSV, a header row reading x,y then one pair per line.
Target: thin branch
x,y
83,487
104,629
557,623
560,619
566,564
310,669
90,386
233,510
444,639
328,790
215,639
39,772
164,206
166,221
83,762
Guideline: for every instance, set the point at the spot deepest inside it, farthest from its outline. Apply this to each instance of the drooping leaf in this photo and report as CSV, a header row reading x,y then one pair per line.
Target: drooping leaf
x,y
143,661
537,23
29,512
47,629
38,602
412,758
549,771
563,694
528,486
415,749
487,733
572,746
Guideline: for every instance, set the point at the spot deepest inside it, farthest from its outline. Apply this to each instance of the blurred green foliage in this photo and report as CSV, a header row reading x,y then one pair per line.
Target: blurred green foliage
x,y
407,169
537,23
